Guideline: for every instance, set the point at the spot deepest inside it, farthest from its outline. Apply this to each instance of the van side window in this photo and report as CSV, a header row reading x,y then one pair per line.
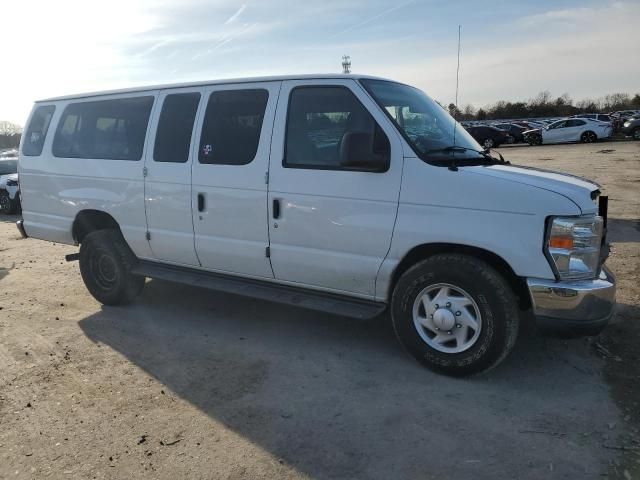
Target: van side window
x,y
104,129
173,136
232,126
37,131
317,121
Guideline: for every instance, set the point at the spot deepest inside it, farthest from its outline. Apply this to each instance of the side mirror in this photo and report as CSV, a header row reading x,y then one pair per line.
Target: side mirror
x,y
365,151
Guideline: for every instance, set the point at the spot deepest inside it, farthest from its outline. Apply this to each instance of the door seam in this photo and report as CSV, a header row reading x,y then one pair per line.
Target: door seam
x,y
273,126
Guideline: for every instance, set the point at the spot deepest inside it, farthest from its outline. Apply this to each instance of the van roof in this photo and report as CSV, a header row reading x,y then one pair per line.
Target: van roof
x,y
212,82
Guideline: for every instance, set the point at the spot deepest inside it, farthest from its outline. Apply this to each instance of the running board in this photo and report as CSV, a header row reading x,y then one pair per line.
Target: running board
x,y
310,299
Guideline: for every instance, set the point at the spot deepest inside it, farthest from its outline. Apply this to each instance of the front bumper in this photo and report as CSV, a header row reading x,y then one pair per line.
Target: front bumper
x,y
573,308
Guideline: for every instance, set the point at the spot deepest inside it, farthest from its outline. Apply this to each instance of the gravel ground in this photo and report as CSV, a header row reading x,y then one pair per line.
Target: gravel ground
x,y
187,383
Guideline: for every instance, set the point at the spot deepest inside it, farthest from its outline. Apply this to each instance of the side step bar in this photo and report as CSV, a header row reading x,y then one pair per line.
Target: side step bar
x,y
310,299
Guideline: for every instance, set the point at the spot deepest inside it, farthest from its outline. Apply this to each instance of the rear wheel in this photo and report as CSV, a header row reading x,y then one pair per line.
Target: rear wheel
x,y
105,264
534,140
588,137
455,314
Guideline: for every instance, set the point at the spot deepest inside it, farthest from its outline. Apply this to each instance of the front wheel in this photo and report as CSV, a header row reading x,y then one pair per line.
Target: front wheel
x,y
635,133
105,264
488,143
455,314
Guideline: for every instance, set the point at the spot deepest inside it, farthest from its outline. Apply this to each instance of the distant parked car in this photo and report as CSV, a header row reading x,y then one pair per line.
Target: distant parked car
x,y
9,195
622,114
569,130
631,127
516,131
489,137
11,153
603,117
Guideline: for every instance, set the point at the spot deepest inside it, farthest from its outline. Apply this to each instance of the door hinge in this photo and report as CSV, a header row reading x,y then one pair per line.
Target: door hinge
x,y
148,235
144,171
267,252
266,178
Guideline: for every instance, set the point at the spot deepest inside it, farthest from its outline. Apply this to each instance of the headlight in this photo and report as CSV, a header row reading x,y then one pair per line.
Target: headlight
x,y
573,245
626,124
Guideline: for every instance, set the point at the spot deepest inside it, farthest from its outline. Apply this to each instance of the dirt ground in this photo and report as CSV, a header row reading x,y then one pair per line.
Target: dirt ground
x,y
187,383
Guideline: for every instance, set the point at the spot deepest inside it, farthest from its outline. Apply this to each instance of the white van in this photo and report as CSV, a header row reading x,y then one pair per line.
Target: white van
x,y
346,194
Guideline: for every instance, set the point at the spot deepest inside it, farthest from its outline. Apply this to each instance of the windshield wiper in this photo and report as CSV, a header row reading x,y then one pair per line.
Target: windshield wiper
x,y
456,148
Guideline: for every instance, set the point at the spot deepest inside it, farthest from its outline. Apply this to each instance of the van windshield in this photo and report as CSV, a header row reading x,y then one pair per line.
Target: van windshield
x,y
429,129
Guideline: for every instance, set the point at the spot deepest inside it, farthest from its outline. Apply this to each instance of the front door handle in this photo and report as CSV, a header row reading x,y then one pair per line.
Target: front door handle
x,y
201,203
276,208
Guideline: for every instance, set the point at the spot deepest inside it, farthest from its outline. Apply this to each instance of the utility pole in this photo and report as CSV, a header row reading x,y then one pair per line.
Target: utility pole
x,y
346,64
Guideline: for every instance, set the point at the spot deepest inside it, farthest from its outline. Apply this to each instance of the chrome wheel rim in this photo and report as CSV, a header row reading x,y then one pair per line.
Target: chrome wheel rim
x,y
488,143
447,318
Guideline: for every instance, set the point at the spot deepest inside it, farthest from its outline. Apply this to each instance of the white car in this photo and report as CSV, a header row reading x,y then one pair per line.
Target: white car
x,y
9,196
583,130
349,194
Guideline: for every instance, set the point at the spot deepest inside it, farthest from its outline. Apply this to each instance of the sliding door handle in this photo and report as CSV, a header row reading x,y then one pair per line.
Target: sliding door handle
x,y
276,208
201,203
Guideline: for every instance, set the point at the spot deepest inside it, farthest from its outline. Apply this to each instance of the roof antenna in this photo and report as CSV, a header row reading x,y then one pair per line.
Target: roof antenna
x,y
455,110
453,166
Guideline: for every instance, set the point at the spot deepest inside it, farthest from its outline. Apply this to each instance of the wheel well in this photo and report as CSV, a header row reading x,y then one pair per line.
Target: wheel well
x,y
88,221
421,252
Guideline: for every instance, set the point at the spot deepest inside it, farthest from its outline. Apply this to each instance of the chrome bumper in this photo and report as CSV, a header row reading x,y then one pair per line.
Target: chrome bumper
x,y
581,307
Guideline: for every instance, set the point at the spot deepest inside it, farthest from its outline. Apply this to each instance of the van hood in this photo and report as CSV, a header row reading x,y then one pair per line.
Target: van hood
x,y
579,190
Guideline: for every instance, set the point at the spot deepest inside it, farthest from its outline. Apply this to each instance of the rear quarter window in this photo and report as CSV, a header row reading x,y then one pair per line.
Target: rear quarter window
x,y
37,130
104,129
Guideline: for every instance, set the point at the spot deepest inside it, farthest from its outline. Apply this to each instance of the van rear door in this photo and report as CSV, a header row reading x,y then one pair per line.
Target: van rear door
x,y
168,176
229,194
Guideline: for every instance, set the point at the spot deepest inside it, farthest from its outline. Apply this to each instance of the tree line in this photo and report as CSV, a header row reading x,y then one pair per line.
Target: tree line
x,y
9,135
545,105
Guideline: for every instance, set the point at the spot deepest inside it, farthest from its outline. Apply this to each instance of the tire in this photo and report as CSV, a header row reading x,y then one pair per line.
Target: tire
x,y
105,264
635,133
588,137
492,302
7,206
534,140
488,143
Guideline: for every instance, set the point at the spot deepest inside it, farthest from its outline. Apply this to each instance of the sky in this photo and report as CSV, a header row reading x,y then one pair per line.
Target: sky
x,y
511,50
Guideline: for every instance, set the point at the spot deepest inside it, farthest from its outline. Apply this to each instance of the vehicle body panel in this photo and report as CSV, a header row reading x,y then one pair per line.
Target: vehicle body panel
x,y
231,233
54,190
510,222
335,226
168,196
